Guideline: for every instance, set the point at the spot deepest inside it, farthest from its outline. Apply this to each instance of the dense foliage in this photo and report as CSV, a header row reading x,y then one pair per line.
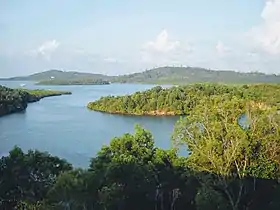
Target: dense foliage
x,y
16,100
229,167
28,177
162,75
74,82
12,100
181,100
238,143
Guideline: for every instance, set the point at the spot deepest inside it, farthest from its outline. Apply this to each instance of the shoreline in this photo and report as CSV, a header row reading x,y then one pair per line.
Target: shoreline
x,y
36,98
45,84
150,113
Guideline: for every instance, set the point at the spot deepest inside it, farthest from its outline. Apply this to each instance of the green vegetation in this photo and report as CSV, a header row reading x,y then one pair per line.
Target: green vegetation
x,y
183,99
74,82
162,75
39,94
187,75
59,75
16,100
231,134
228,167
12,100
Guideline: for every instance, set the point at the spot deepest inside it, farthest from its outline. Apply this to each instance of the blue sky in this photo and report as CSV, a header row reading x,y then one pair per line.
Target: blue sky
x,y
117,37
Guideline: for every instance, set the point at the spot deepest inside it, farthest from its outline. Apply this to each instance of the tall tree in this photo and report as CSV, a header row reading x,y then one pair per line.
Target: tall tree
x,y
231,150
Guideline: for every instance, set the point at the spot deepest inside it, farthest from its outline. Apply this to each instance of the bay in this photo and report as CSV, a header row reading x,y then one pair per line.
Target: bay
x,y
64,127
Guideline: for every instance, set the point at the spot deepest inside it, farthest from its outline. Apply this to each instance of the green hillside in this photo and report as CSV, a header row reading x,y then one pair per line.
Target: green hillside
x,y
58,75
162,75
184,75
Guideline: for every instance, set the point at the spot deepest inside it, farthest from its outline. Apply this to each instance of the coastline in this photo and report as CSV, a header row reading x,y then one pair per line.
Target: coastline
x,y
147,113
20,103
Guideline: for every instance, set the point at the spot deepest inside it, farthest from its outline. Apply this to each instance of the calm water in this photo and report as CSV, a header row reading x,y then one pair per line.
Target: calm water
x,y
63,125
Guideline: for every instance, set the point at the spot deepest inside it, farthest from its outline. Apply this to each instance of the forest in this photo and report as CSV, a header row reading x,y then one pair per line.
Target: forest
x,y
12,100
16,100
230,165
182,99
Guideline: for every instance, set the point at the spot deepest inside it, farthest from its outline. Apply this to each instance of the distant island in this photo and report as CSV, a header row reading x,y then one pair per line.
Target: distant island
x,y
74,82
192,75
58,75
182,100
161,75
16,100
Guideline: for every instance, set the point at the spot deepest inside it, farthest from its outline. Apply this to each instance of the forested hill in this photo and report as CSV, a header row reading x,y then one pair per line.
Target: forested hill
x,y
185,75
162,75
58,75
182,100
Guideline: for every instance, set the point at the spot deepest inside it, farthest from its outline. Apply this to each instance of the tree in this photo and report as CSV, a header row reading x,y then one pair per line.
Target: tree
x,y
181,100
231,153
28,177
140,176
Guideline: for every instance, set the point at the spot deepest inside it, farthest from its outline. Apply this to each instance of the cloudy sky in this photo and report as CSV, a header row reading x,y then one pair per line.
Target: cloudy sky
x,y
118,37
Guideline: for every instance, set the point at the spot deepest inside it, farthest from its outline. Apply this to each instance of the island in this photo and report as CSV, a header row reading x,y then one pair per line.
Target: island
x,y
73,82
16,100
181,100
160,75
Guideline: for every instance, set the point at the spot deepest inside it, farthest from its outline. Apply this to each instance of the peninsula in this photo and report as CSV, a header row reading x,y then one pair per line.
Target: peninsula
x,y
16,100
182,100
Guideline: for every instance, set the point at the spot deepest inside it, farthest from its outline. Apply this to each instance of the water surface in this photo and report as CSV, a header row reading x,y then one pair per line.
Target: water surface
x,y
63,126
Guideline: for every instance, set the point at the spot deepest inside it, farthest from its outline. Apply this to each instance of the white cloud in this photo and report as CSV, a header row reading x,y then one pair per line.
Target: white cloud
x,y
164,51
267,34
221,48
162,43
46,49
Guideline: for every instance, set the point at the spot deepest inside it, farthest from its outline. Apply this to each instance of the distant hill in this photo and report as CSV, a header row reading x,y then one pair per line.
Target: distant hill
x,y
162,75
182,75
58,75
74,82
